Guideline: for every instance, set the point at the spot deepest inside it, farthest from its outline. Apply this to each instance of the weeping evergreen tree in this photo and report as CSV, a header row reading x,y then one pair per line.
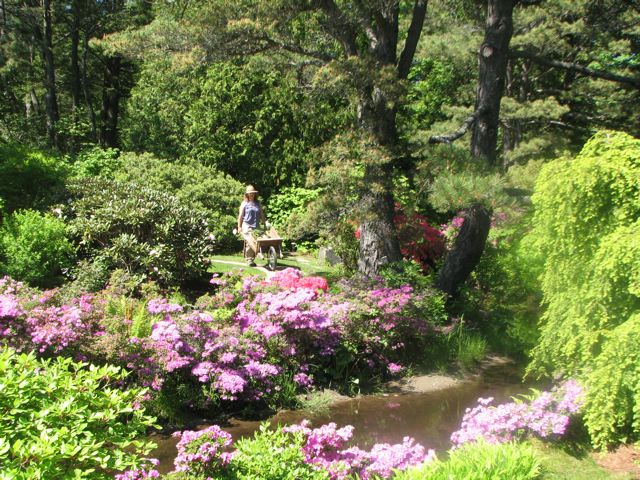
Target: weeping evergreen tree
x,y
587,228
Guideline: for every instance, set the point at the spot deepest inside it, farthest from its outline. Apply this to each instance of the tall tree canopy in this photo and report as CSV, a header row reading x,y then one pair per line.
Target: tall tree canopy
x,y
359,43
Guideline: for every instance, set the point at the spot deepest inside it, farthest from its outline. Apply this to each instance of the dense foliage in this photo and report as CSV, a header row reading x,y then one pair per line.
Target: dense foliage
x,y
140,230
587,227
481,461
30,178
34,247
86,425
200,187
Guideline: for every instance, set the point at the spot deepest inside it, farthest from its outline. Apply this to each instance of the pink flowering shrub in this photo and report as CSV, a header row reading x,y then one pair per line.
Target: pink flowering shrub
x,y
291,278
546,416
297,448
141,473
251,340
326,448
203,454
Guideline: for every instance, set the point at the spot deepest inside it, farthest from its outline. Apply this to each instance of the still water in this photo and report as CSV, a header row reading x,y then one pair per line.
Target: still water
x,y
430,417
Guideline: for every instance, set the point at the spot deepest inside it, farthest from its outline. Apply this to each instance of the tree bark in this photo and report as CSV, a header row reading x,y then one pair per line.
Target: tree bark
x,y
111,102
378,238
467,250
75,60
86,87
50,97
492,60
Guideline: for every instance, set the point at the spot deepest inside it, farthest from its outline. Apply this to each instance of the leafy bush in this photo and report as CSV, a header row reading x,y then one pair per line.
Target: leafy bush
x,y
34,248
140,230
481,461
201,187
30,178
586,227
287,209
405,272
273,455
96,161
66,420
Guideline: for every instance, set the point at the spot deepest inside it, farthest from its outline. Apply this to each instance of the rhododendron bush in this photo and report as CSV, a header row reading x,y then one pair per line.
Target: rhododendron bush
x,y
250,340
296,452
547,415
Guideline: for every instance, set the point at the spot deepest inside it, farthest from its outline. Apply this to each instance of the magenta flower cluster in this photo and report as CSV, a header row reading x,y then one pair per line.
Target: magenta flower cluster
x,y
325,448
203,452
547,415
141,473
241,343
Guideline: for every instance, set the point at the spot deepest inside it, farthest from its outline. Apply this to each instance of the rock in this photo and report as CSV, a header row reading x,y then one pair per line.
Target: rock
x,y
327,254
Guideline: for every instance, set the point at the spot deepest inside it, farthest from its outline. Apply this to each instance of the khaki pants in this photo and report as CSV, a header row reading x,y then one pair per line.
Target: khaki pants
x,y
250,245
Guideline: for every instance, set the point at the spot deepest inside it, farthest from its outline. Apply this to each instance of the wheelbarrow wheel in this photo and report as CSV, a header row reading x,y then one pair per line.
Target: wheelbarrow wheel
x,y
272,258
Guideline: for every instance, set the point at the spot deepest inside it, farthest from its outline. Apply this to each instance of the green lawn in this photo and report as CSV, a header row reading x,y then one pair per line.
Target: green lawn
x,y
563,464
308,264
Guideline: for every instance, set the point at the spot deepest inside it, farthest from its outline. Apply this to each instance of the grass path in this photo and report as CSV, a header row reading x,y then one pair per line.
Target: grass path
x,y
308,264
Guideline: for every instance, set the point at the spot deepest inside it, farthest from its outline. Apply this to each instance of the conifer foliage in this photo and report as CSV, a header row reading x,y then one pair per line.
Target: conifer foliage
x,y
587,228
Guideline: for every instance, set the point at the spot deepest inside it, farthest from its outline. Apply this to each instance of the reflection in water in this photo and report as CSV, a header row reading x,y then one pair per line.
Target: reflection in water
x,y
430,418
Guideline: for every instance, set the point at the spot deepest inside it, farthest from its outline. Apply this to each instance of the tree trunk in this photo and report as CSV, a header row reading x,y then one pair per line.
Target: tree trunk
x,y
378,238
492,59
111,102
467,250
86,87
75,60
50,96
3,18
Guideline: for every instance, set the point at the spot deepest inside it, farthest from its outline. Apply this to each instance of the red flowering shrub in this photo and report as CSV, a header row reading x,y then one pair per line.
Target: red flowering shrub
x,y
419,241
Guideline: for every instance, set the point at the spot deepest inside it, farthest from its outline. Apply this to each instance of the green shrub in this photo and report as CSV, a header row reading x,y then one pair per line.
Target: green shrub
x,y
405,272
202,188
65,420
286,208
96,161
35,248
140,230
272,455
587,225
30,178
481,461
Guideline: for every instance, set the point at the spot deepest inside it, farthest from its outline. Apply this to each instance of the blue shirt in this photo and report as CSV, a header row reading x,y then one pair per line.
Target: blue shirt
x,y
251,214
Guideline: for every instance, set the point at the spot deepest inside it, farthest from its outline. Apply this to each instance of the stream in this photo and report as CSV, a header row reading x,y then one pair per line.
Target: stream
x,y
429,417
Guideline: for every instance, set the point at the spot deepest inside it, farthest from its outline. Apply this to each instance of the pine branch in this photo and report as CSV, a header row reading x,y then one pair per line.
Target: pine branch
x,y
590,72
451,137
338,27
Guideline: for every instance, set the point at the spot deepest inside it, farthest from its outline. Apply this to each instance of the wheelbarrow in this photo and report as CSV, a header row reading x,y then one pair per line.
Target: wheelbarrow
x,y
265,242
